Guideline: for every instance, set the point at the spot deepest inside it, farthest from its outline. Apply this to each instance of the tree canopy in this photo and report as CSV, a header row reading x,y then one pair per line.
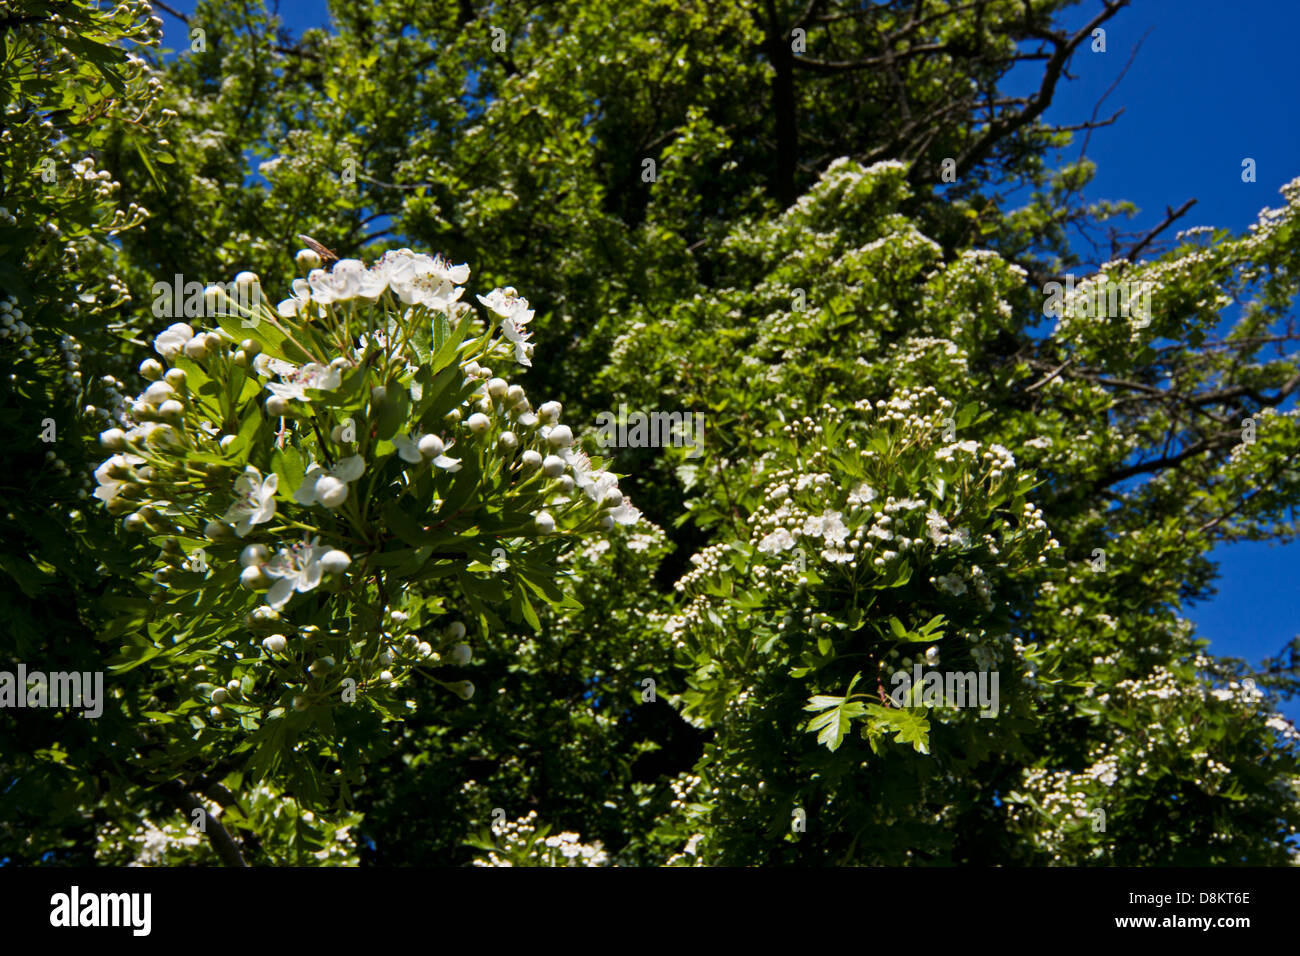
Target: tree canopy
x,y
368,582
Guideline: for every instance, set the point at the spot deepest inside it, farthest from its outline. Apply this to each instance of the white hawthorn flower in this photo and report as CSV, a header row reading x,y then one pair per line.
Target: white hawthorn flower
x,y
169,342
515,314
408,448
626,513
110,487
329,487
778,540
951,584
295,568
349,279
298,380
861,494
254,500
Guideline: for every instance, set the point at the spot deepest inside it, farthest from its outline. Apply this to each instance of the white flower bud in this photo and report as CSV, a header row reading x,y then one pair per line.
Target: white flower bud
x,y
477,423
497,387
460,654
335,562
561,436
464,689
612,499
300,703
157,393
515,394
175,378
219,695
607,522
276,406
386,677
331,492
307,259
246,280
275,643
226,442
254,578
550,411
553,466
171,409
431,446
196,348
544,522
424,649
151,369
253,554
508,441
456,630
114,439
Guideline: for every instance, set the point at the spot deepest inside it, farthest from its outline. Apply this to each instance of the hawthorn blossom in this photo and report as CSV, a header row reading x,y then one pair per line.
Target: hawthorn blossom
x,y
418,279
626,513
416,448
408,448
295,568
329,487
778,540
862,494
298,380
254,500
169,343
515,314
110,487
349,279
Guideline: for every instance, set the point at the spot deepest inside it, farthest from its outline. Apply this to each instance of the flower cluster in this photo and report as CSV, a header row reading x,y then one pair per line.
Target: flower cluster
x,y
351,444
524,843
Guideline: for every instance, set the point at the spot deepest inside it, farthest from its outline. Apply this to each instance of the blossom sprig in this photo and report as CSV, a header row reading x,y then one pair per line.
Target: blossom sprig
x,y
324,477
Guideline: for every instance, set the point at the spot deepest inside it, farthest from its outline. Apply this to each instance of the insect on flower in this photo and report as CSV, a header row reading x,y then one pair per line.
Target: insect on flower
x,y
326,256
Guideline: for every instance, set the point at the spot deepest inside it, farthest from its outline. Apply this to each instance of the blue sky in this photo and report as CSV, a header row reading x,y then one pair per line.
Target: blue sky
x,y
1209,87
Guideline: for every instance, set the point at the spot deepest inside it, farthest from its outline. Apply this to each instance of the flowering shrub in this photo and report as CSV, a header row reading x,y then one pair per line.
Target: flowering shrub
x,y
328,490
869,536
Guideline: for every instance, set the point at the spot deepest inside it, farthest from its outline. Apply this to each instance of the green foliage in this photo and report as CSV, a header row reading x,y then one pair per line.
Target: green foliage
x,y
904,466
